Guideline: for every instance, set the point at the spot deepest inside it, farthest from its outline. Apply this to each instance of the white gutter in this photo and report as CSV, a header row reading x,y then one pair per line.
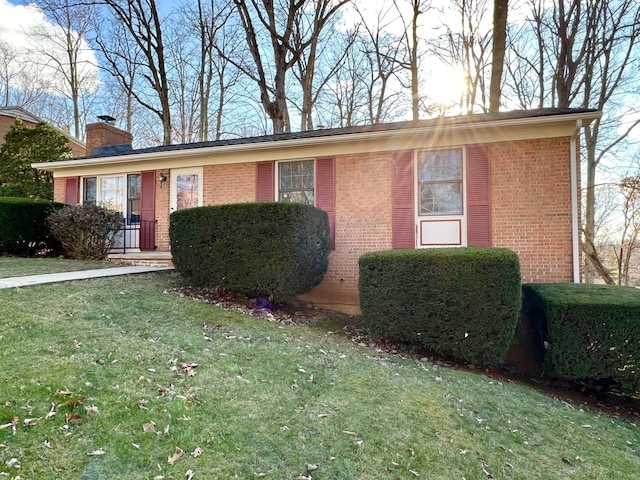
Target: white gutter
x,y
575,231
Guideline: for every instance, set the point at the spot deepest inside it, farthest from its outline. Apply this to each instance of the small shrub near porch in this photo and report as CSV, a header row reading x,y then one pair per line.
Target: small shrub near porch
x,y
270,249
591,332
86,232
458,302
23,226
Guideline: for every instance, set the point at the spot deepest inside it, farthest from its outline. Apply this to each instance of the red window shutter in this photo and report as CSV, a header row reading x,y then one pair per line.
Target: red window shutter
x,y
72,191
326,191
148,210
265,174
403,214
478,196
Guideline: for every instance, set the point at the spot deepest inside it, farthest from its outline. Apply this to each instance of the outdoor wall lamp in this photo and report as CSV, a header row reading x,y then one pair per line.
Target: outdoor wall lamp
x,y
162,178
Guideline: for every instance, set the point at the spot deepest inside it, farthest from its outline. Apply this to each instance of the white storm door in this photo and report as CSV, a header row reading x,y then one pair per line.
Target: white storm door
x,y
186,188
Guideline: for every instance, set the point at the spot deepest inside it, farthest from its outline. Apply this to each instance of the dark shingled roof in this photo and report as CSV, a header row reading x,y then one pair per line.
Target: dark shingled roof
x,y
381,127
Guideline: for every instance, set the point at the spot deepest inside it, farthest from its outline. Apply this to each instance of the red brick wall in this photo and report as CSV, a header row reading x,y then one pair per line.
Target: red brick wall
x,y
531,206
234,183
363,224
162,213
59,189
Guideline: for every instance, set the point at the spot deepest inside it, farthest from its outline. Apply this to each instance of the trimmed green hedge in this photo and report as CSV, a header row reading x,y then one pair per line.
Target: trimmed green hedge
x,y
271,249
458,302
592,332
23,225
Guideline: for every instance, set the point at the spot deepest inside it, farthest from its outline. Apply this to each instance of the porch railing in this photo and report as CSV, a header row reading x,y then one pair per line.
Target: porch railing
x,y
135,236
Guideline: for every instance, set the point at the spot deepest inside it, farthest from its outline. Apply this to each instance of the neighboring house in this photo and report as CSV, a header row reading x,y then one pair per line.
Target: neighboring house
x,y
8,116
508,180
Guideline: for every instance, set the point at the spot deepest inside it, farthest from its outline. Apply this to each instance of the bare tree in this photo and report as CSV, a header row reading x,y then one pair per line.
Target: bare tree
x,y
141,21
583,53
500,14
467,45
63,46
8,73
277,24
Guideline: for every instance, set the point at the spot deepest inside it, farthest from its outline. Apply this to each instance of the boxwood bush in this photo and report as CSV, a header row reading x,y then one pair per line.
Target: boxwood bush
x,y
591,332
23,226
271,249
458,302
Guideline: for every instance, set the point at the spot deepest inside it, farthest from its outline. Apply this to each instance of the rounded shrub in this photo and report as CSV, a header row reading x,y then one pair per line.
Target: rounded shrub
x,y
271,249
458,302
23,226
86,232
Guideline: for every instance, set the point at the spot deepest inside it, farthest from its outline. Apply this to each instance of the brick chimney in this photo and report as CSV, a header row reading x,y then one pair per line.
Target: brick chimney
x,y
104,138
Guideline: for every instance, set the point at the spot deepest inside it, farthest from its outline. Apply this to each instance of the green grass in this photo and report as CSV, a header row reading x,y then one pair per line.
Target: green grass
x,y
18,266
266,401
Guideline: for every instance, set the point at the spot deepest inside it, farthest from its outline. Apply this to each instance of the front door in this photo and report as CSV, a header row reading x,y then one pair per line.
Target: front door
x,y
186,188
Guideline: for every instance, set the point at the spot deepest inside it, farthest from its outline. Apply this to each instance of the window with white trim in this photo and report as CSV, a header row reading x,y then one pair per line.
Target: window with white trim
x,y
120,193
296,181
440,182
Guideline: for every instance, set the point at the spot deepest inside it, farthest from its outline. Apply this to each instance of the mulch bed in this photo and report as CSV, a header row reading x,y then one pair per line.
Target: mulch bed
x,y
298,313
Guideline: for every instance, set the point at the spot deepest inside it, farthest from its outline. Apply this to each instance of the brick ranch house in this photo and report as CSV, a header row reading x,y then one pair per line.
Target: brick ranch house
x,y
509,179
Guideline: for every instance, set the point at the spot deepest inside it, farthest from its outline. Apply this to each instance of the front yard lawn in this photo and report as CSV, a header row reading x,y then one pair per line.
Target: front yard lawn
x,y
112,378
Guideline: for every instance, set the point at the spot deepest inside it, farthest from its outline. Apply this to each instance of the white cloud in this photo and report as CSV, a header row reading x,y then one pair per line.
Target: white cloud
x,y
17,21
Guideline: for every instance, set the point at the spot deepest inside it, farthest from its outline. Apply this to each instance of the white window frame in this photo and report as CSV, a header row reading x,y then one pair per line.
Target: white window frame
x,y
451,228
99,197
277,177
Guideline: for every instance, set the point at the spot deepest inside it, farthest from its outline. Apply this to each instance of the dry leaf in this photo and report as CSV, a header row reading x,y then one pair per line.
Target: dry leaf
x,y
197,452
189,474
52,412
347,432
311,466
3,447
176,456
166,430
96,453
149,427
64,393
73,418
304,477
159,477
13,462
30,422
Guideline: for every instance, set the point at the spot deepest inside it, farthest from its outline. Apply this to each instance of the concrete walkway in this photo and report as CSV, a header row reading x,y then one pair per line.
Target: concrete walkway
x,y
13,282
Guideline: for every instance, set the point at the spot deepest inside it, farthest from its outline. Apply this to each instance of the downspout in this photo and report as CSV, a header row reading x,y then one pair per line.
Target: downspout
x,y
575,229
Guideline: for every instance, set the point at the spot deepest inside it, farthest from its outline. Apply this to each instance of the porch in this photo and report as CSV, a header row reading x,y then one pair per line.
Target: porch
x,y
135,245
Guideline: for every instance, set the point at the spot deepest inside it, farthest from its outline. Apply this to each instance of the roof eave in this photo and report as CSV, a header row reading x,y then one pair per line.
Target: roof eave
x,y
584,117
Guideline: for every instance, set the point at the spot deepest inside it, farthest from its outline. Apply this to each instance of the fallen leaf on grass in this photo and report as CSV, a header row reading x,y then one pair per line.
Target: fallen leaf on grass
x,y
30,422
159,477
3,447
52,412
64,393
311,467
97,453
304,477
73,418
189,474
13,462
149,427
347,432
176,456
197,452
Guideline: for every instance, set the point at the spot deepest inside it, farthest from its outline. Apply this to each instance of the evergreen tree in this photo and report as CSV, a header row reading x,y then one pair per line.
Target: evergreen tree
x,y
24,145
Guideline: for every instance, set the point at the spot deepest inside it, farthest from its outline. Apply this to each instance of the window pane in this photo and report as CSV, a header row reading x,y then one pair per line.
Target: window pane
x,y
112,190
187,191
441,198
296,182
134,186
441,165
90,190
